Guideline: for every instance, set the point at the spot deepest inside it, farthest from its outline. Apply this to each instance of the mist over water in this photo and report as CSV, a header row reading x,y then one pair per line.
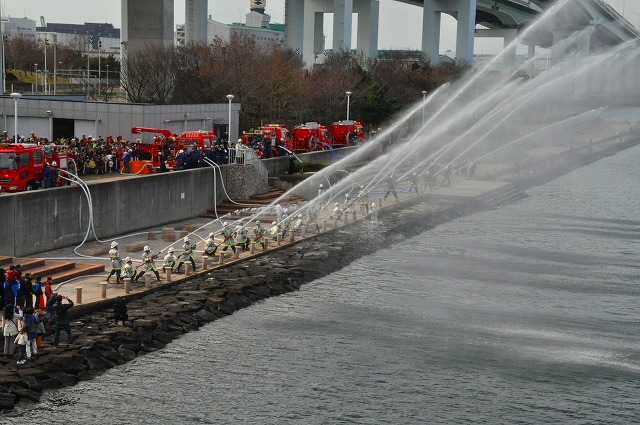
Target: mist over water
x,y
526,314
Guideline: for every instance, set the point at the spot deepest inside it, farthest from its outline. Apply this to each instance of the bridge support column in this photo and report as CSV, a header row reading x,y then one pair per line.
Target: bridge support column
x,y
342,24
368,20
431,15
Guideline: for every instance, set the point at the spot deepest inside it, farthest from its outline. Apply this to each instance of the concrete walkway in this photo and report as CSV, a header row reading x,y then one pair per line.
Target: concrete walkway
x,y
93,287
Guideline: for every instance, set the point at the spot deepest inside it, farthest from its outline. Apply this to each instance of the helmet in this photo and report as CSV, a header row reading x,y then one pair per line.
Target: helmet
x,y
282,139
274,222
239,140
321,186
128,150
373,204
55,164
127,260
299,215
171,249
114,244
186,239
225,224
257,221
211,234
346,196
147,248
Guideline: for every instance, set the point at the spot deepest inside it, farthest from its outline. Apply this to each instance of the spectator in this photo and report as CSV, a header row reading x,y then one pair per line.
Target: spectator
x,y
21,341
10,320
120,311
62,319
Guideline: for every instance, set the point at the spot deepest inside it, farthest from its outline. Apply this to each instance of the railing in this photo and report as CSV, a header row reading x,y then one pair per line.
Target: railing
x,y
248,157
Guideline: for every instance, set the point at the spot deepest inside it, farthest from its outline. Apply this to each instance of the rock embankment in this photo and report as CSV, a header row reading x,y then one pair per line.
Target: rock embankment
x,y
159,317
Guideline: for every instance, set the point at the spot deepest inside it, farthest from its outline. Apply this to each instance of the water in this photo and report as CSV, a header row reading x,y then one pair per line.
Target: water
x,y
527,314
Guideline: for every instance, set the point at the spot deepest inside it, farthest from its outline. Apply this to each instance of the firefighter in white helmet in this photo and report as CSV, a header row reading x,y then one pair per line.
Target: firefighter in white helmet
x,y
242,237
374,214
187,254
116,262
210,245
337,211
273,230
148,264
298,224
169,260
413,183
312,216
128,271
239,152
258,235
364,200
227,238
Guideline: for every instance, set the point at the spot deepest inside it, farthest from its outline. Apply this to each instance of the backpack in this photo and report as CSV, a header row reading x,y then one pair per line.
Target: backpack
x,y
33,326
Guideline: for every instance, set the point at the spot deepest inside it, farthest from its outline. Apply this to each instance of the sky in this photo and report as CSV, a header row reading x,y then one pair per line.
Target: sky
x,y
393,15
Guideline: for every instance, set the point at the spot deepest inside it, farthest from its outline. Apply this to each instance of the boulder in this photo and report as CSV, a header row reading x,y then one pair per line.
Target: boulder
x,y
65,379
22,393
70,366
7,401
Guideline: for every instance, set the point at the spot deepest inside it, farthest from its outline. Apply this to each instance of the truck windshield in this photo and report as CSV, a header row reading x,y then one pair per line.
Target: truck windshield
x,y
7,161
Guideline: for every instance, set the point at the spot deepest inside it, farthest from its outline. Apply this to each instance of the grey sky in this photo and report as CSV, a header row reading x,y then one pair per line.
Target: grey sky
x,y
393,15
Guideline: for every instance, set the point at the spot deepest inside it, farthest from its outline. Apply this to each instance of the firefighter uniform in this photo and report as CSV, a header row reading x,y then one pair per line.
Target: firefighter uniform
x,y
169,260
210,245
258,235
187,254
242,238
148,264
128,271
116,262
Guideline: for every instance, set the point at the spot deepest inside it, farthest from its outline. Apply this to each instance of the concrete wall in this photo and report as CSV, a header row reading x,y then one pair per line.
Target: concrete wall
x,y
44,220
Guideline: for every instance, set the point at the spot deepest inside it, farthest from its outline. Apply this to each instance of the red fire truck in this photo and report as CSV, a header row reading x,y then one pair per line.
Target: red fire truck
x,y
346,133
309,137
21,165
172,143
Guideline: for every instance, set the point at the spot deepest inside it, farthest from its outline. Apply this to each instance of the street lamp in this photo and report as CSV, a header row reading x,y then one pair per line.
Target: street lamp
x,y
36,79
424,96
230,97
348,97
15,97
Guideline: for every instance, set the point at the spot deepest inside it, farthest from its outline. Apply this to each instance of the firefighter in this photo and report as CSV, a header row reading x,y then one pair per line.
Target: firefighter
x,y
128,271
47,173
413,183
227,238
312,216
348,207
391,187
148,264
364,200
298,224
374,214
187,254
274,230
116,262
210,245
258,235
242,238
337,212
239,152
446,176
169,260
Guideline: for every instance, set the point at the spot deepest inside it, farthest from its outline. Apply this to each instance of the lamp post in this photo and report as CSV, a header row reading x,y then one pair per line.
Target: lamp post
x,y
15,97
230,97
348,98
424,96
36,79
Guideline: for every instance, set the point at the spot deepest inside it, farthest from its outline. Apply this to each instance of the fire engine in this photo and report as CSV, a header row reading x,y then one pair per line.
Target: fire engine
x,y
168,141
274,134
21,165
308,137
346,133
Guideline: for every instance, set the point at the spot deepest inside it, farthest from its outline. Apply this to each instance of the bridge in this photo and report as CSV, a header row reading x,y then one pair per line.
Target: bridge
x,y
150,22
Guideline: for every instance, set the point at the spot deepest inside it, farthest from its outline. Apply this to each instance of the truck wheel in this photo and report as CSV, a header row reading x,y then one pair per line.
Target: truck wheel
x,y
31,186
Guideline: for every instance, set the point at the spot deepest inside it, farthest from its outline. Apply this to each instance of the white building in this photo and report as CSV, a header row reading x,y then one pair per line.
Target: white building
x,y
23,27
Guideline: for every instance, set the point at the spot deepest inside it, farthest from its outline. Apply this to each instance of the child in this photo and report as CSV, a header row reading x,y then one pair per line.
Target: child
x,y
21,342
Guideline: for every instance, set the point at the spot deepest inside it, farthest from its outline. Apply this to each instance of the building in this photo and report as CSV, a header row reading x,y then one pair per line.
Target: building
x,y
88,36
22,27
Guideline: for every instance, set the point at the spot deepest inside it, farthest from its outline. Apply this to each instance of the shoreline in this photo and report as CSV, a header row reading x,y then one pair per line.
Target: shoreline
x,y
160,315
